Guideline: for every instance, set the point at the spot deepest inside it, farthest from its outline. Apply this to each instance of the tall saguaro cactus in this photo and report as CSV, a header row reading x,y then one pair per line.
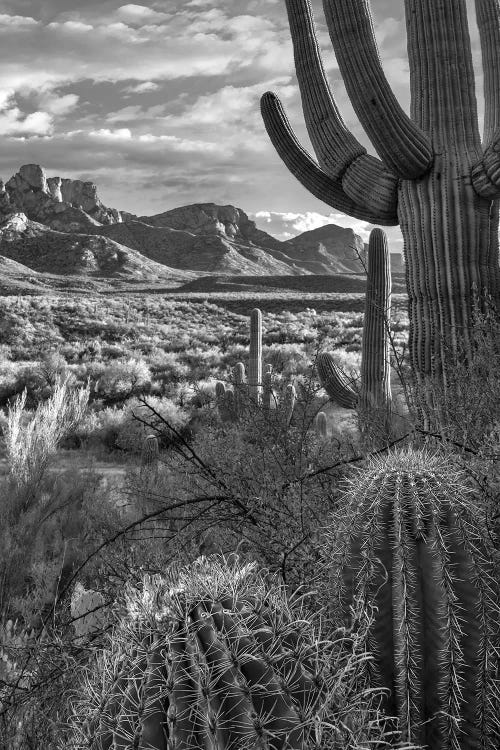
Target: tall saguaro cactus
x,y
255,360
375,391
434,177
375,347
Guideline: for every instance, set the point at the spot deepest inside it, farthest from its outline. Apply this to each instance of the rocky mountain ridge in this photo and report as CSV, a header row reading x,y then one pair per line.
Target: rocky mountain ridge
x,y
60,226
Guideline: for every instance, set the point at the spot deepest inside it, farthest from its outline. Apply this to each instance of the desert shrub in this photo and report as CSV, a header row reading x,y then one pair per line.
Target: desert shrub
x,y
122,379
31,440
41,546
258,485
133,430
167,369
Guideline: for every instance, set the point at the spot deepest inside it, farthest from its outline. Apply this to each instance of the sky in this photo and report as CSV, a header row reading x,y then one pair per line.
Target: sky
x,y
158,102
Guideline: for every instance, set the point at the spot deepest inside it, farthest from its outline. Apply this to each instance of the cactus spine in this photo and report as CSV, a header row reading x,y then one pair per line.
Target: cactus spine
x,y
255,360
410,549
434,177
212,657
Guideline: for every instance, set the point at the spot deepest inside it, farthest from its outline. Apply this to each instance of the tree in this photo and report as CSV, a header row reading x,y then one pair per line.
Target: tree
x,y
434,177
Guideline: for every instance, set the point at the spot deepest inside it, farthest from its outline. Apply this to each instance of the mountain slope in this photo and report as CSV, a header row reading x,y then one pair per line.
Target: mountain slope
x,y
60,226
45,250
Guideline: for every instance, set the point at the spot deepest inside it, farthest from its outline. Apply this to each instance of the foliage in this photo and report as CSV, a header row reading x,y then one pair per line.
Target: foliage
x,y
31,441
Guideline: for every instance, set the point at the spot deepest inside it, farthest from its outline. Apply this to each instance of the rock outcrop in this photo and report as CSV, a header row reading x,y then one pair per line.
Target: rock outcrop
x,y
57,202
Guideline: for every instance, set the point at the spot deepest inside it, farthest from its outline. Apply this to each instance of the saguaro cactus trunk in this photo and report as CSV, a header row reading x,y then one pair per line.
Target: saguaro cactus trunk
x,y
434,177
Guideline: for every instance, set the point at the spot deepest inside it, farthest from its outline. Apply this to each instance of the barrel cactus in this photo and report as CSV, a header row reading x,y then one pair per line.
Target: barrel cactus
x,y
435,178
209,656
410,547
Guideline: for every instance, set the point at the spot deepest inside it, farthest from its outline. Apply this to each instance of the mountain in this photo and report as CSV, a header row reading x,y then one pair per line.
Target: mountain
x,y
44,250
60,226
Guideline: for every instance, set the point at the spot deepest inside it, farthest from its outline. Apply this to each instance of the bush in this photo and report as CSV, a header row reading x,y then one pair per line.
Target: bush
x,y
31,440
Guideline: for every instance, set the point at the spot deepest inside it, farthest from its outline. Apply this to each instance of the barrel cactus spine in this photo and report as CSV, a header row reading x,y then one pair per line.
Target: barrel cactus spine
x,y
412,547
432,163
210,656
255,358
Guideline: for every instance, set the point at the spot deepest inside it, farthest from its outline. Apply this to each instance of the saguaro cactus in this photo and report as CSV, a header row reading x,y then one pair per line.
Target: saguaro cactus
x,y
320,424
375,391
410,549
150,456
434,177
267,389
375,347
213,656
255,360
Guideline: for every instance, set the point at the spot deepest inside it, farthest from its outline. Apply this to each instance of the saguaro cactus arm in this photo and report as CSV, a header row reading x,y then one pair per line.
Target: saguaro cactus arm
x,y
486,172
401,144
336,148
379,210
488,21
335,382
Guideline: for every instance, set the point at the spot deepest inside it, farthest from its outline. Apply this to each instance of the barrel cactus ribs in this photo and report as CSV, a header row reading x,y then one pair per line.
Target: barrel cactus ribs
x,y
209,656
434,177
411,547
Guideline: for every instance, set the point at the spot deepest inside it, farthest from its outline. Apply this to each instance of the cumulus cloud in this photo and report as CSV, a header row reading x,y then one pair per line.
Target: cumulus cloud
x,y
145,87
14,123
289,224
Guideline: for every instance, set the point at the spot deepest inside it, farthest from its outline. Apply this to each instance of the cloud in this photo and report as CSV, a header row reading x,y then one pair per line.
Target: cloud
x,y
14,123
289,224
132,13
142,88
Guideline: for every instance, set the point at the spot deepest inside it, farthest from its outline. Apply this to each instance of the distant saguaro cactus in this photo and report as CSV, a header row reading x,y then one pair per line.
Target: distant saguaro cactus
x,y
289,399
434,177
267,389
320,424
411,547
150,455
255,359
240,388
212,656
